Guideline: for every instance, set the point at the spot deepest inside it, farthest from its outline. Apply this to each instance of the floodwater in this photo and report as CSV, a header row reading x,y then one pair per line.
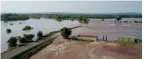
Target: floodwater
x,y
44,25
95,27
111,29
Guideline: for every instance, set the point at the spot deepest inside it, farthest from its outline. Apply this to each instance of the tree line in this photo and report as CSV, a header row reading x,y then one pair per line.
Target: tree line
x,y
13,17
82,18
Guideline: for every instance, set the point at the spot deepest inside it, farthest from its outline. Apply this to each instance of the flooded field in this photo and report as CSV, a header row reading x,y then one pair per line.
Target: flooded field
x,y
94,27
44,25
111,29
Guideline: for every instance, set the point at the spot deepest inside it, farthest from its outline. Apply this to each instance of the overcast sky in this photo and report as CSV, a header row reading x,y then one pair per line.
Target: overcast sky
x,y
74,7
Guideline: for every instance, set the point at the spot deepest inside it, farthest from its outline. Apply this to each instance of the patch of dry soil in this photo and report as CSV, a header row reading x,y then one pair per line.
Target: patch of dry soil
x,y
69,49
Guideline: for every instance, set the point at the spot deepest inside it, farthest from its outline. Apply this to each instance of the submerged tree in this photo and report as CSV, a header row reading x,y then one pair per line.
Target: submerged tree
x,y
21,39
27,28
8,31
83,19
40,34
12,41
28,37
118,18
65,32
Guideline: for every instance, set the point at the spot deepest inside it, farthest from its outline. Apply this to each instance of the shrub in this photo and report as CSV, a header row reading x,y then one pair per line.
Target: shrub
x,y
12,41
83,19
27,28
138,21
125,43
8,30
125,21
40,34
21,39
65,32
28,37
11,24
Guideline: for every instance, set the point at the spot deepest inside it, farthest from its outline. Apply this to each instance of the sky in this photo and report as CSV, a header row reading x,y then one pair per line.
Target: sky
x,y
71,6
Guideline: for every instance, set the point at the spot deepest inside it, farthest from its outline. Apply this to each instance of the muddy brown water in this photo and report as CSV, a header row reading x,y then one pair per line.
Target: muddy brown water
x,y
111,29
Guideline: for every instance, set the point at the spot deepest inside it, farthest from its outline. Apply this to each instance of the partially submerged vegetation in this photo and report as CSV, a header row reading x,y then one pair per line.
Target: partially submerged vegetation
x,y
118,18
20,23
39,34
8,31
137,21
28,37
12,41
27,28
83,20
125,43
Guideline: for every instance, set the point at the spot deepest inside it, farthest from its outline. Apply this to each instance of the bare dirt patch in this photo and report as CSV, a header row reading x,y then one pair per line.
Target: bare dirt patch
x,y
135,51
69,49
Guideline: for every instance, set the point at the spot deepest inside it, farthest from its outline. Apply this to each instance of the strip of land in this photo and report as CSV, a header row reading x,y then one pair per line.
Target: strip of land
x,y
69,49
19,50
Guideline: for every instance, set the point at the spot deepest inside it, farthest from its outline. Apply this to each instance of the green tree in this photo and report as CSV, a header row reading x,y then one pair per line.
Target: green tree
x,y
65,32
13,17
28,37
27,27
83,19
8,31
40,34
118,18
12,41
57,17
21,39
